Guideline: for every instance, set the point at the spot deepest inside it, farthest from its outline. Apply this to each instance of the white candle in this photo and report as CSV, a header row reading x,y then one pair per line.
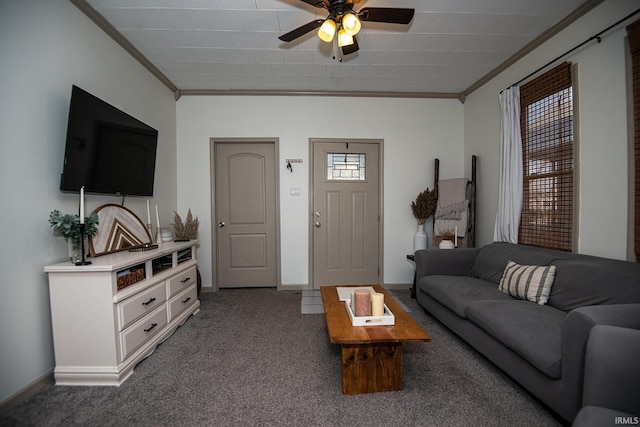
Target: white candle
x,y
148,214
157,218
456,237
82,205
377,304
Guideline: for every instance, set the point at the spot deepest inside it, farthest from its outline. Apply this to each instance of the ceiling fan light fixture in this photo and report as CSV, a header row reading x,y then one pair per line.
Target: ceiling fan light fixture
x,y
327,31
351,24
344,38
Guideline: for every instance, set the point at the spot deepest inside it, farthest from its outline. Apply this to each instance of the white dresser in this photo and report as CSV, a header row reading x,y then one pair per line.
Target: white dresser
x,y
101,332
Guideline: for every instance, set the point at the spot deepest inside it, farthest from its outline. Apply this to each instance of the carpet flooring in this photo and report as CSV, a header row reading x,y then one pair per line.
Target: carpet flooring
x,y
250,358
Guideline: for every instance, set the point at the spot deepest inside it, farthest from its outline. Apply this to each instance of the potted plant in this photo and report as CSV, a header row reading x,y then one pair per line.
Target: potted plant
x,y
184,231
68,226
423,207
187,229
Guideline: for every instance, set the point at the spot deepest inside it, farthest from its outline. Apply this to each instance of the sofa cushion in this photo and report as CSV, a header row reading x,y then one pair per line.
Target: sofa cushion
x,y
456,292
587,280
492,259
528,282
530,330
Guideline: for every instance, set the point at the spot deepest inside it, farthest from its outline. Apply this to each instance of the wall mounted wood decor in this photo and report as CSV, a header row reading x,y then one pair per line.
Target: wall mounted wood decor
x,y
119,229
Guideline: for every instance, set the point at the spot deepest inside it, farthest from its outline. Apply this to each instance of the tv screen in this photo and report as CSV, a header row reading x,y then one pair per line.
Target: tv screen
x,y
107,151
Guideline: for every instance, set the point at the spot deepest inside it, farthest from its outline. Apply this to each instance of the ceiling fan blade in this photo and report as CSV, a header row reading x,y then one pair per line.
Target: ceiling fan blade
x,y
392,15
301,31
352,48
318,3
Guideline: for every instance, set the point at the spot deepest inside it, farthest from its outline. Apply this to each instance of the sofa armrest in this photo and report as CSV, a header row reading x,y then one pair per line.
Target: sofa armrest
x,y
612,372
575,334
452,262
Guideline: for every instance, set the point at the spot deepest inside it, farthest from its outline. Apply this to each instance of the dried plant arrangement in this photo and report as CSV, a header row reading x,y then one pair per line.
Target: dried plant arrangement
x,y
187,229
425,205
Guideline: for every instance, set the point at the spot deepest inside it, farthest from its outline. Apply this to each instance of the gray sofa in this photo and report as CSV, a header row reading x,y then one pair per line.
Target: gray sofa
x,y
612,378
542,347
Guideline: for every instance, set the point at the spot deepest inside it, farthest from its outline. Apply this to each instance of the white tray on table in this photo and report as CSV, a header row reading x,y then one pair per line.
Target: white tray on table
x,y
387,319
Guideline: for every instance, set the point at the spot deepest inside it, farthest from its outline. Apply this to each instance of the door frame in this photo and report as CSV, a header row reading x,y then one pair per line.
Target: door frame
x,y
380,144
214,223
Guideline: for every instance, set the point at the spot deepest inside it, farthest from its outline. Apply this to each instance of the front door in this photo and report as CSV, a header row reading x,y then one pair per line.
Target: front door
x,y
245,214
346,213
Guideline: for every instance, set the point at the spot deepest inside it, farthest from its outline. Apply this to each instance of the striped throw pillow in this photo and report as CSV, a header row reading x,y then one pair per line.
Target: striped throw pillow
x,y
530,282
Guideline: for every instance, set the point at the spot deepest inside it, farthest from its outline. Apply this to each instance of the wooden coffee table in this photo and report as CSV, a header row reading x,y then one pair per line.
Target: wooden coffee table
x,y
371,355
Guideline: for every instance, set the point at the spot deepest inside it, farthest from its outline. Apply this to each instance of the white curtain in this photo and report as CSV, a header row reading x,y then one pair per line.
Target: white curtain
x,y
510,191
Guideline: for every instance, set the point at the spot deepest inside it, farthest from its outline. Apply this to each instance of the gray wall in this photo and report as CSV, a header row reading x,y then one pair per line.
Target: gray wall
x,y
46,47
601,88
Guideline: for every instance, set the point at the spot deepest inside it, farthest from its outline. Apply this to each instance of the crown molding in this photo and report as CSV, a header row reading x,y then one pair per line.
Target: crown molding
x,y
212,92
534,44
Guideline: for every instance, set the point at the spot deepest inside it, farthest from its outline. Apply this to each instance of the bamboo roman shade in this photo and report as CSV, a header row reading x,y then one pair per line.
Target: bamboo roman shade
x,y
633,32
546,121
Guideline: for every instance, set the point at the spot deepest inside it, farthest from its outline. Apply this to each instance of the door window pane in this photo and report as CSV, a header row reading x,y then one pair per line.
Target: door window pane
x,y
346,167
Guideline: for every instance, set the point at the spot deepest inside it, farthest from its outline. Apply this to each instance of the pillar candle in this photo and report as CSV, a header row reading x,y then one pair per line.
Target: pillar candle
x,y
377,304
148,213
363,303
456,237
82,205
353,301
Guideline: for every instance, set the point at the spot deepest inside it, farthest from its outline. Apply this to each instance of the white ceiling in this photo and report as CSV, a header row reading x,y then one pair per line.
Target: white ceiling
x,y
233,45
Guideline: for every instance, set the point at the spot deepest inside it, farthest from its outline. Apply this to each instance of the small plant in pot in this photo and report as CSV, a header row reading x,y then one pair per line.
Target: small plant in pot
x,y
187,229
68,226
423,207
184,231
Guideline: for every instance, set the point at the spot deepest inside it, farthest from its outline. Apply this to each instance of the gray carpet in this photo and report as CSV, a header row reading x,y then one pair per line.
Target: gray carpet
x,y
250,358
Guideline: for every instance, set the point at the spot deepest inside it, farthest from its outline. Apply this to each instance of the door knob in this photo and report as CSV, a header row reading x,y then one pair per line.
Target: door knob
x,y
317,224
221,224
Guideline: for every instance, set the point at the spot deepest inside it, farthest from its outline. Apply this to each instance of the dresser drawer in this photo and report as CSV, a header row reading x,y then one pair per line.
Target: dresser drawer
x,y
182,281
140,304
182,301
142,331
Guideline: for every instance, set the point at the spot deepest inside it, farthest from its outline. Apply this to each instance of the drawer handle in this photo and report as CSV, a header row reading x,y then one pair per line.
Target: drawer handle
x,y
187,300
149,302
185,280
153,325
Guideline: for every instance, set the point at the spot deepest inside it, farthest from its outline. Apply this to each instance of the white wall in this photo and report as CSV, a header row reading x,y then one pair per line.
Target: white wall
x,y
46,47
602,130
415,132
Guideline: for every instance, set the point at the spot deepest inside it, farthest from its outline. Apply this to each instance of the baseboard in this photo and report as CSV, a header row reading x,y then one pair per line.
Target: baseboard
x,y
26,392
294,287
397,286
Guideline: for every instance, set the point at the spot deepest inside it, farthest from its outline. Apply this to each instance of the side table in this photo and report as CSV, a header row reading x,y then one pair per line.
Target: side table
x,y
411,257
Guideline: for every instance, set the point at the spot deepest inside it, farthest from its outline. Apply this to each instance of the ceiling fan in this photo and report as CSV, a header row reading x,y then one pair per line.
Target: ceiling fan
x,y
346,21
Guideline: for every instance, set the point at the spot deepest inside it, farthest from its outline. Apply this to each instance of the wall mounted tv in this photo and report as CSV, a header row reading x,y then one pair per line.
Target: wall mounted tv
x,y
107,151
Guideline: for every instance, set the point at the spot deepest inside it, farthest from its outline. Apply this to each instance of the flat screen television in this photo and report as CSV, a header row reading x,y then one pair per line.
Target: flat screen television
x,y
107,151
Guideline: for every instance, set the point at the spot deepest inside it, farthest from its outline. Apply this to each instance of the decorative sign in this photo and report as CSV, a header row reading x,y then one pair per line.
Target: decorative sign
x,y
119,229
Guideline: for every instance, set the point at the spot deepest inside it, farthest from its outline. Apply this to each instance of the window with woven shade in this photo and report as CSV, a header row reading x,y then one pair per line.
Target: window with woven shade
x,y
633,32
546,122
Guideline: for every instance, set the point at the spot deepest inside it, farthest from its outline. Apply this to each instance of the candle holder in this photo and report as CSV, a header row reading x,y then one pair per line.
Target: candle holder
x,y
158,235
150,230
83,261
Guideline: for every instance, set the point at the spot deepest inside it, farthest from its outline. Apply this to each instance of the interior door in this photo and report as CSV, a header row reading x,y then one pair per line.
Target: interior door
x,y
346,213
245,214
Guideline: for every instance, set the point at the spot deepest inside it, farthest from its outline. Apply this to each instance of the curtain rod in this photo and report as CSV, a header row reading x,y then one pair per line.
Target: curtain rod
x,y
596,37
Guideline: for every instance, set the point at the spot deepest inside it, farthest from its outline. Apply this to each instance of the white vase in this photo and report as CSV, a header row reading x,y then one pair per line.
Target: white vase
x,y
419,239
